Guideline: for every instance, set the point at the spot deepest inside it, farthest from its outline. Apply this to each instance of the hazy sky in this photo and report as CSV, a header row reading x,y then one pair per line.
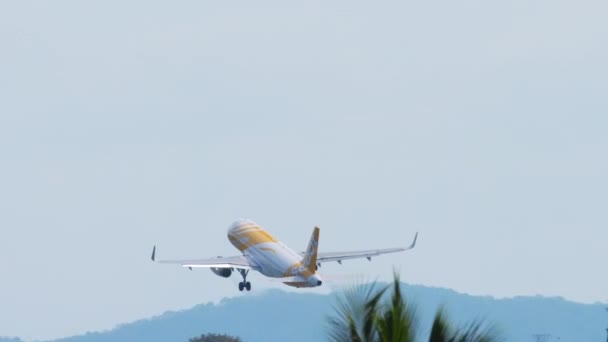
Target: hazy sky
x,y
481,124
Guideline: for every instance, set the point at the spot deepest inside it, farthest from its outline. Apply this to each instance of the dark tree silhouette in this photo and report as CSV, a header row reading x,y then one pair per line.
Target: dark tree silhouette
x,y
215,338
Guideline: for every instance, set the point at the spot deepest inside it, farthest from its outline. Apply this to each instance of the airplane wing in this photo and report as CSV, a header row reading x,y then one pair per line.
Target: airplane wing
x,y
339,256
238,261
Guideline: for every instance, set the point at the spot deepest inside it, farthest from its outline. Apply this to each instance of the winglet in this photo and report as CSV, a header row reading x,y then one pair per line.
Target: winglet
x,y
153,254
414,242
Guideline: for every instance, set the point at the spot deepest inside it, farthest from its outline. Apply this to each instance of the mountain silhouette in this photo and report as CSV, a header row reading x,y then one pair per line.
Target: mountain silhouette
x,y
275,315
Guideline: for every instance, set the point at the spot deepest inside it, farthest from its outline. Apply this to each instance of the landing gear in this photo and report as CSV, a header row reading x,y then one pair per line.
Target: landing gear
x,y
244,285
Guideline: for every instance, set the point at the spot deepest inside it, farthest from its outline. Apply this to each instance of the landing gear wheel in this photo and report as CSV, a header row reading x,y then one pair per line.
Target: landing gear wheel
x,y
244,284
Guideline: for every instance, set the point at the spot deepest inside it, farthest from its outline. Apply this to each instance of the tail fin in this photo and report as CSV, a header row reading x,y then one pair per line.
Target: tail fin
x,y
310,257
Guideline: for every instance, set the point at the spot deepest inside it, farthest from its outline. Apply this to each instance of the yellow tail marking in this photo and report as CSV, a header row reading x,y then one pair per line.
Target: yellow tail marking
x,y
310,257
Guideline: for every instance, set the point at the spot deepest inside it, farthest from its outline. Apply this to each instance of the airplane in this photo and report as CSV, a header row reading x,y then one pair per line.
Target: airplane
x,y
262,252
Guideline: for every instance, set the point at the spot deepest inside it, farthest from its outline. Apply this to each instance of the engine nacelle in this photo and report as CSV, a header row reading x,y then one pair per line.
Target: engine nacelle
x,y
222,272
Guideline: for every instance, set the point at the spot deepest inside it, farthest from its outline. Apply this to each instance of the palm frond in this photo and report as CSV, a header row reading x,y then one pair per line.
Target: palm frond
x,y
477,331
396,322
440,330
354,313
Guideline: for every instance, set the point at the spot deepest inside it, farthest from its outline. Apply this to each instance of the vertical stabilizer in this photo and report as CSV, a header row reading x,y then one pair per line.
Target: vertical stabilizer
x,y
310,257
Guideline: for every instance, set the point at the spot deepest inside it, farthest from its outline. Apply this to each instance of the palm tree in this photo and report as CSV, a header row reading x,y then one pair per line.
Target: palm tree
x,y
363,316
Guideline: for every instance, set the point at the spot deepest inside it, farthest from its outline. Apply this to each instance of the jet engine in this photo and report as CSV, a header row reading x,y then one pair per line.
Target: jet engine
x,y
222,272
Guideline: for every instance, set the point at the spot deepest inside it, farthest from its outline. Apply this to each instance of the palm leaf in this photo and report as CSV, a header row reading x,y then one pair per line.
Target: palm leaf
x,y
396,322
440,330
355,313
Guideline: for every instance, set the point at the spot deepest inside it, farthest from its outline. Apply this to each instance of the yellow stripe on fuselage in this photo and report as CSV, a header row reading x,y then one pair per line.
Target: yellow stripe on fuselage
x,y
249,235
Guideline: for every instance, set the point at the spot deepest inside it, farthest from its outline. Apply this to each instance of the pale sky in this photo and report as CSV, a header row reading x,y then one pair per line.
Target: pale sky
x,y
482,125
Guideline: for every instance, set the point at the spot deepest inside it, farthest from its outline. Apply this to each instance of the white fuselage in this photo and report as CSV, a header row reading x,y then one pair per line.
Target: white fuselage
x,y
270,256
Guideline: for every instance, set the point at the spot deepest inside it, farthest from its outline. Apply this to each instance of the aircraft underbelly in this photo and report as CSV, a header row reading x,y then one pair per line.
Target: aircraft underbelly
x,y
272,260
